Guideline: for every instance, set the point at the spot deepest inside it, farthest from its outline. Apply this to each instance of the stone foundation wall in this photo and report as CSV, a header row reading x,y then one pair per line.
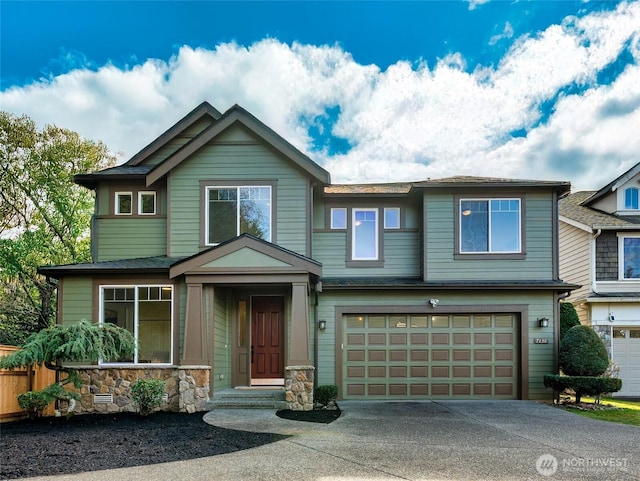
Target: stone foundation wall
x,y
187,388
298,386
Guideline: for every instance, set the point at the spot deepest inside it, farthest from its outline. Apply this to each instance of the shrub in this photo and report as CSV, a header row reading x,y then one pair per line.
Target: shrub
x,y
326,393
583,353
583,385
568,318
147,393
34,402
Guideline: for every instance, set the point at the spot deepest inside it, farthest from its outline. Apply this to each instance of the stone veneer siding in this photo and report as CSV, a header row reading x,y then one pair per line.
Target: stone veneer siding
x,y
187,388
298,387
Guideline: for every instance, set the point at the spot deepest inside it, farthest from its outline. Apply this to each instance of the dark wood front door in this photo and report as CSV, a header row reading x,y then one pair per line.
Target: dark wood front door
x,y
267,337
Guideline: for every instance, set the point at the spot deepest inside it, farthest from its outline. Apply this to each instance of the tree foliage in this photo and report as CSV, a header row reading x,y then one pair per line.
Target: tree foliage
x,y
44,217
568,318
583,353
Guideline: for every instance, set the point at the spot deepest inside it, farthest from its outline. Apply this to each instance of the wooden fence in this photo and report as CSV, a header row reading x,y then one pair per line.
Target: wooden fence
x,y
18,381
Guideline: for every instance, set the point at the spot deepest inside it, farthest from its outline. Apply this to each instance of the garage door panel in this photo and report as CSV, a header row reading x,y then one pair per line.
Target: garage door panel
x,y
453,352
626,354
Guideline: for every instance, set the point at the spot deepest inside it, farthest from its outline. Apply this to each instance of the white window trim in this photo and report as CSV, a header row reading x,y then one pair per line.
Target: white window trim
x,y
237,187
376,234
116,207
135,322
344,210
488,200
388,209
146,192
621,237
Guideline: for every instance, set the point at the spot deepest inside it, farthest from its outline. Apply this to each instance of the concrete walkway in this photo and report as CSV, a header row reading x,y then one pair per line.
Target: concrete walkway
x,y
457,440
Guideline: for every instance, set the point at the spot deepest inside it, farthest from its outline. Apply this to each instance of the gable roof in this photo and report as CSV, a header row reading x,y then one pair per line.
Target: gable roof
x,y
237,114
575,207
613,185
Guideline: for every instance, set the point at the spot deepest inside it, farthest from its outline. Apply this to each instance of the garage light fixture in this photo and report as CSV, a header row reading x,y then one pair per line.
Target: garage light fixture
x,y
543,322
322,325
434,302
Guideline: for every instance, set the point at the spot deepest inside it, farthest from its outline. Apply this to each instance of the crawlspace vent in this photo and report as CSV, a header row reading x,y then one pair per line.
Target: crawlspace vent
x,y
102,398
165,398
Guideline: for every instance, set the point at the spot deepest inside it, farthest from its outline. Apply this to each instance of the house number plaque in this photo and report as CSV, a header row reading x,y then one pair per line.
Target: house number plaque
x,y
539,340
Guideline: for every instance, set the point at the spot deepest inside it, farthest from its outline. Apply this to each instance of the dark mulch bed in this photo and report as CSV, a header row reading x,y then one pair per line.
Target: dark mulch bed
x,y
92,442
315,416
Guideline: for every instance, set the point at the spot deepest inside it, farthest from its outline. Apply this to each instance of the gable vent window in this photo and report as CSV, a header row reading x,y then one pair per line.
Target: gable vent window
x,y
631,198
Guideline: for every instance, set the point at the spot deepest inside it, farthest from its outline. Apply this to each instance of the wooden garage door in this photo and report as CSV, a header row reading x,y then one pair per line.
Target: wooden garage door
x,y
419,356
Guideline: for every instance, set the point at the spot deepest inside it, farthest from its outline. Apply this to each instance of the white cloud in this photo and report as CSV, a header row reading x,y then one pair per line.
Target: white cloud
x,y
407,122
507,32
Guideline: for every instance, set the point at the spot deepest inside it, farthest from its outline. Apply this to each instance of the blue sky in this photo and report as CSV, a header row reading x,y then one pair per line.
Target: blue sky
x,y
374,91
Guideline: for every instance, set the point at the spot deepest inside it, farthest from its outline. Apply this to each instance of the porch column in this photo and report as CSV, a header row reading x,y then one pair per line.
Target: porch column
x,y
194,350
299,347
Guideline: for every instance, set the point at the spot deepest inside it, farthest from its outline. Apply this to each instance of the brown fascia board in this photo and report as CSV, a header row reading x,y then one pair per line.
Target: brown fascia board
x,y
440,286
238,114
562,187
205,108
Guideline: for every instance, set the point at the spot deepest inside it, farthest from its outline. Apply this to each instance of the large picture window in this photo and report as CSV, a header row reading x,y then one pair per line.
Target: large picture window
x,y
629,257
231,211
490,225
147,313
365,234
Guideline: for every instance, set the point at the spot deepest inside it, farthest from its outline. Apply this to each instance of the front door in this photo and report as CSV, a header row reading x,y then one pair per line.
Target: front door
x,y
267,338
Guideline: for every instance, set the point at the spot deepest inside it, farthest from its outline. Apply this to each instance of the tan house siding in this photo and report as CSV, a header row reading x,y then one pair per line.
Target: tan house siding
x,y
574,259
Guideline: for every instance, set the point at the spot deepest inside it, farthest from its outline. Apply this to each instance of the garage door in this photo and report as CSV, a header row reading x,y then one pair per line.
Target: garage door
x,y
418,356
626,354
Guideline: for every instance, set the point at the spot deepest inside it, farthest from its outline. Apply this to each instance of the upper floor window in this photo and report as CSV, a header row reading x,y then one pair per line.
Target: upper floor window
x,y
391,217
146,311
631,198
338,218
124,203
365,234
146,203
629,257
490,225
231,211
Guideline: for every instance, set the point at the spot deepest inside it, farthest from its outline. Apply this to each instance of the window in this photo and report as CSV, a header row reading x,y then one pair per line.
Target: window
x,y
232,211
146,203
365,234
392,218
629,257
124,204
338,218
146,312
490,226
631,198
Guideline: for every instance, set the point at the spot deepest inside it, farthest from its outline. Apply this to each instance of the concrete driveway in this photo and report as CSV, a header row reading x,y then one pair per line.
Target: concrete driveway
x,y
456,440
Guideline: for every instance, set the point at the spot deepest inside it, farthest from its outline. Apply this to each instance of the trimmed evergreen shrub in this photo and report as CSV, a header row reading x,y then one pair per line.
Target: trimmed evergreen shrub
x,y
583,353
568,318
583,385
147,393
326,393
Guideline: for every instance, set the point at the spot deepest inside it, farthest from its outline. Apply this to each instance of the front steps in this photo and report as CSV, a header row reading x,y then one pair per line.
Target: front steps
x,y
248,398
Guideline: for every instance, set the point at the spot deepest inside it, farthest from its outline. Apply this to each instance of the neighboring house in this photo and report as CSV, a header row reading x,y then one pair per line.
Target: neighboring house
x,y
600,250
229,254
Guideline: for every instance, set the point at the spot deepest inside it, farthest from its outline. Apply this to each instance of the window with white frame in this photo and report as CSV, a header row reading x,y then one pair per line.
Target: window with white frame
x,y
631,198
338,218
629,256
490,225
231,211
391,217
146,203
365,234
124,203
146,311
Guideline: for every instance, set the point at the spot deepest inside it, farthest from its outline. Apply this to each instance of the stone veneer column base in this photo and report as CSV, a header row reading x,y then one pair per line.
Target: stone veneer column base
x,y
298,386
186,387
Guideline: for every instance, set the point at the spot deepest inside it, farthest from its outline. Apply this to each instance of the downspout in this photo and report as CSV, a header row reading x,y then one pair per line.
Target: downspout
x,y
316,334
592,255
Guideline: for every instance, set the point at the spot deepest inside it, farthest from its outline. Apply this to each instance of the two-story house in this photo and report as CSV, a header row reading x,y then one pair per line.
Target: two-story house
x,y
600,250
227,251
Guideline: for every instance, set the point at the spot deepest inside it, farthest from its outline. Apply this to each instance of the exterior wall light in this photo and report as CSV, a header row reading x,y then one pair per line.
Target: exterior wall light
x,y
543,322
322,325
434,302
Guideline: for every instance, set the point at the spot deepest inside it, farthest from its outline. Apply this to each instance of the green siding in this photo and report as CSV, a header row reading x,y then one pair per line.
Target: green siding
x,y
235,163
440,244
221,340
540,304
131,237
77,300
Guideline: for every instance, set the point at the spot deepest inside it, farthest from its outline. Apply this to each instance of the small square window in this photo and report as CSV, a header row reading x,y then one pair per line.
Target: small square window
x,y
339,218
392,218
146,203
123,203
